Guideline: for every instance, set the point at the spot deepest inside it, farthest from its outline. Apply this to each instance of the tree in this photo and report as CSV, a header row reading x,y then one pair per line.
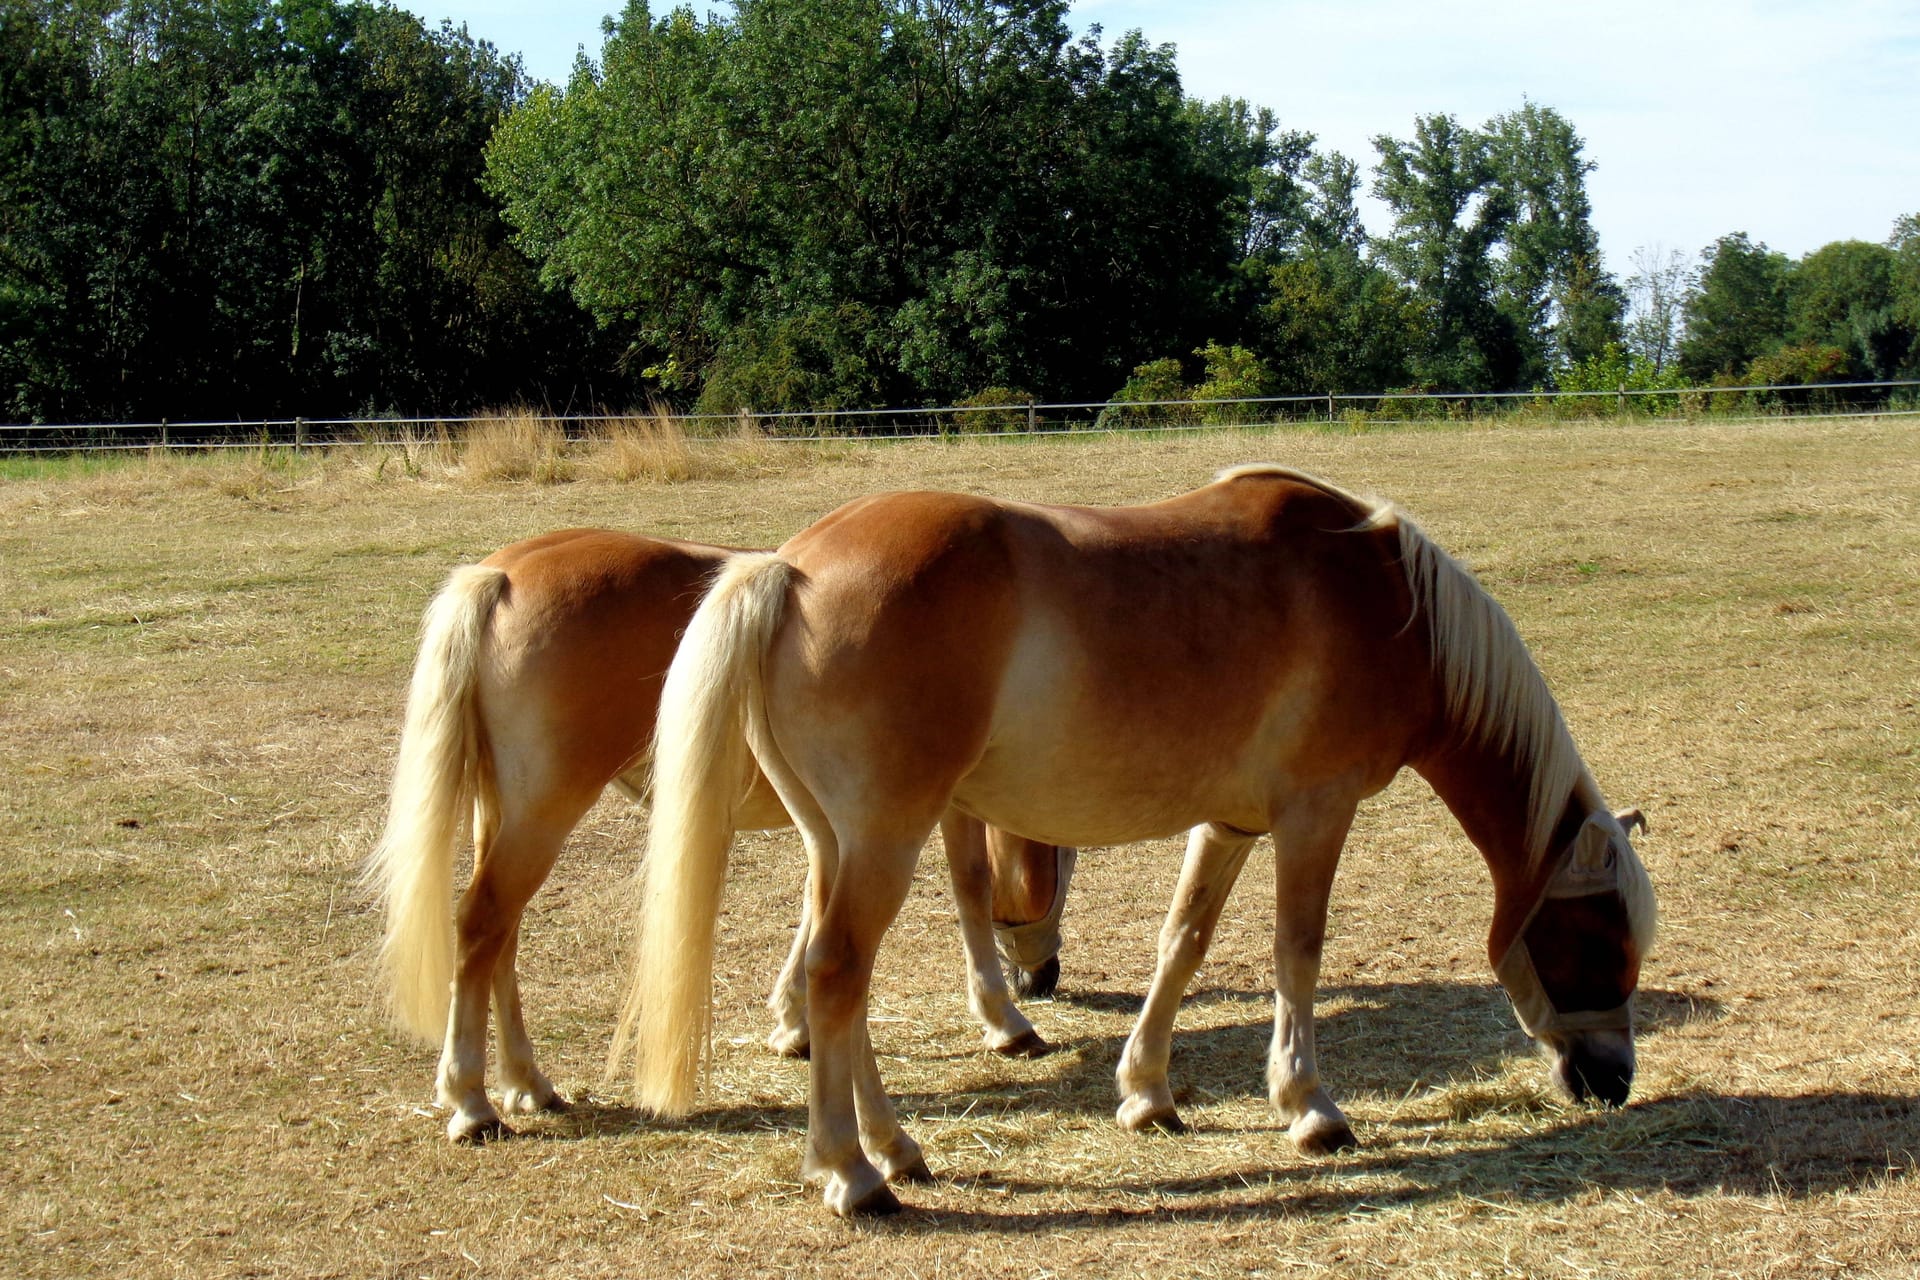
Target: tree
x,y
1905,243
1737,310
1449,214
48,115
1550,282
257,207
815,203
1334,322
1841,296
1656,293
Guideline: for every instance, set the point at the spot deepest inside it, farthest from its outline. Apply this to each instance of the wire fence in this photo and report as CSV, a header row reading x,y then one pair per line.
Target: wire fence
x,y
1355,411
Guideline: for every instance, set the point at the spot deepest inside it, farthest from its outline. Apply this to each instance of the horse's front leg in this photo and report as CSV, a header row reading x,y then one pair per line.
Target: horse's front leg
x,y
1214,857
1307,846
789,998
1004,1028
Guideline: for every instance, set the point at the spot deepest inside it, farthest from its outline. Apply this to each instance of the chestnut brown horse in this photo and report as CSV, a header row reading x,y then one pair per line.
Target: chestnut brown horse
x,y
535,688
1257,656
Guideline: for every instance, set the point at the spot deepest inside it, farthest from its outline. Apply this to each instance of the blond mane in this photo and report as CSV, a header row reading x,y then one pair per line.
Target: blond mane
x,y
1494,692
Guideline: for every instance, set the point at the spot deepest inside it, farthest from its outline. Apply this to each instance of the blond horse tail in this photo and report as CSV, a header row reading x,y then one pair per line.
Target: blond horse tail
x,y
434,781
702,767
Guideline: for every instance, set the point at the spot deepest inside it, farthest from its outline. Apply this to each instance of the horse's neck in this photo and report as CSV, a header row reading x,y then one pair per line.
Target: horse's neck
x,y
1489,793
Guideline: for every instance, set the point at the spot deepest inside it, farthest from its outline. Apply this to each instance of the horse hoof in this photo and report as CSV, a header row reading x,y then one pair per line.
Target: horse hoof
x,y
877,1201
1139,1114
1318,1136
1035,984
916,1172
790,1044
1026,1045
533,1102
469,1132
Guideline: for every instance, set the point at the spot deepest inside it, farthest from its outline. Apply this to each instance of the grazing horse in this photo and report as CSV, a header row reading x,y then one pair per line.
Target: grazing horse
x,y
535,688
1257,656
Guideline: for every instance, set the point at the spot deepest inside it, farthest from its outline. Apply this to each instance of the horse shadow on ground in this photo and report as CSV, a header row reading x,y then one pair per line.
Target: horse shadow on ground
x,y
1386,1037
1394,1039
1688,1145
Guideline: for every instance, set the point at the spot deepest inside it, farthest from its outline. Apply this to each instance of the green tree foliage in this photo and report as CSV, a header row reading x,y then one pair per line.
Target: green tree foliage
x,y
1618,369
1737,311
247,207
1326,316
847,202
1493,234
1549,280
1849,310
1449,216
1841,297
1905,243
241,208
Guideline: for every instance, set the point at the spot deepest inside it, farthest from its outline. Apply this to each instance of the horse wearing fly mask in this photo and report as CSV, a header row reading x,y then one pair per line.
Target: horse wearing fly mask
x,y
1255,657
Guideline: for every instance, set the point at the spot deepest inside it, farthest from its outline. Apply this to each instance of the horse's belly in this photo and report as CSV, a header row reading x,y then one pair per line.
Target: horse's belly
x,y
1081,793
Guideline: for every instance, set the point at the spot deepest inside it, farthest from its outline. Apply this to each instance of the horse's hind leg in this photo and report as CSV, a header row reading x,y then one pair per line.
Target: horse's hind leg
x,y
524,1088
511,861
1213,861
1307,847
854,1139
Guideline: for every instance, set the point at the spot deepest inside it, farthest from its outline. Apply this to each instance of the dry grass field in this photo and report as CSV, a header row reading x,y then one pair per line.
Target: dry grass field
x,y
201,668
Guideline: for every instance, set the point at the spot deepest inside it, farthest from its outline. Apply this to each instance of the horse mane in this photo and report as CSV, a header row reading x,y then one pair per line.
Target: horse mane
x,y
1494,693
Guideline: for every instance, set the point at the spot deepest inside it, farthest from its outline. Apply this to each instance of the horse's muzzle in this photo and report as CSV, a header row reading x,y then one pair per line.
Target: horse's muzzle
x,y
1594,1065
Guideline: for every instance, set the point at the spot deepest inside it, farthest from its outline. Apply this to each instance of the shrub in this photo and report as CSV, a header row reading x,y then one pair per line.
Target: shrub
x,y
1802,366
1138,402
1611,370
993,410
1231,374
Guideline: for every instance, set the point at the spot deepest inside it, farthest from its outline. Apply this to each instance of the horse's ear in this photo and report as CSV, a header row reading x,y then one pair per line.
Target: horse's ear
x,y
1629,819
1590,848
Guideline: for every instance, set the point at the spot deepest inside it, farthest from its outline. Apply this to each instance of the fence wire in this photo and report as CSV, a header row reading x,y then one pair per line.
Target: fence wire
x,y
1843,399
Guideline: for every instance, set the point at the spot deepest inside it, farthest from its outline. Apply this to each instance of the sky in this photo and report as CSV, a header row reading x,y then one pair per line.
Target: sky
x,y
1795,121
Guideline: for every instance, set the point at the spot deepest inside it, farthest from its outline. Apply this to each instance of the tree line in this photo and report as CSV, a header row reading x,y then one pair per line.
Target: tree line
x,y
247,208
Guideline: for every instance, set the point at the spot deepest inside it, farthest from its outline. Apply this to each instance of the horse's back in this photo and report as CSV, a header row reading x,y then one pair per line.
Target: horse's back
x,y
1086,674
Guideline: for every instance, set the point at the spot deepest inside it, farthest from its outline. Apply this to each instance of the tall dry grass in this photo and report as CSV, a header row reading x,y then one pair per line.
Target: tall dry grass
x,y
656,446
516,444
650,447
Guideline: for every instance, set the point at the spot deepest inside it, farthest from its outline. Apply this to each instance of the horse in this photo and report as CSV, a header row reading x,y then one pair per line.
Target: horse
x,y
535,688
1254,657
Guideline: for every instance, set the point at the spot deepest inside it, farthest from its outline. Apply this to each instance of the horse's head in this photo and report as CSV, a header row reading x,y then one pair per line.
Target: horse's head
x,y
1572,969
